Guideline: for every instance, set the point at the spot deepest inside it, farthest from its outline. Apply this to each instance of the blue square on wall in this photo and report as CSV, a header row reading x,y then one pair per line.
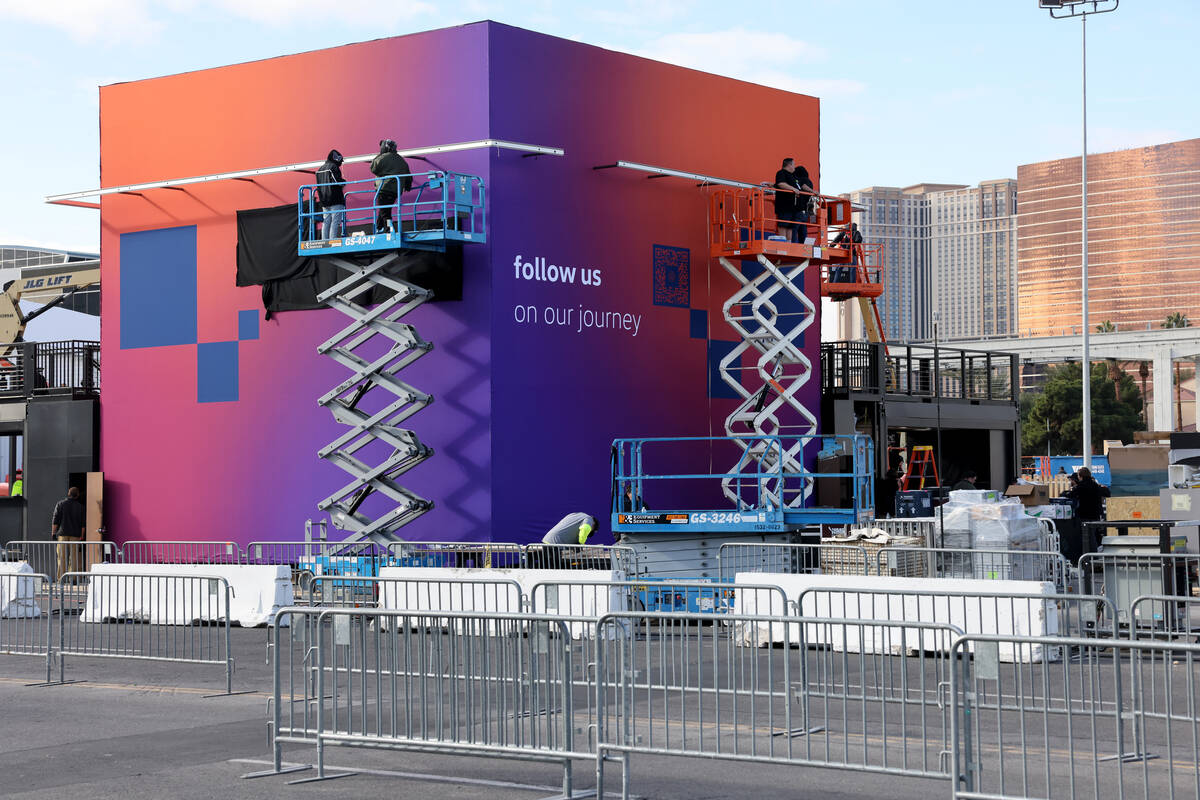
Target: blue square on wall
x,y
672,271
217,372
717,350
247,325
158,287
698,322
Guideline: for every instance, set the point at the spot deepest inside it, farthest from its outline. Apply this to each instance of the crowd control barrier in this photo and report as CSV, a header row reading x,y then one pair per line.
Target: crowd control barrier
x,y
1120,720
449,682
54,558
175,618
24,623
1125,577
167,552
841,559
669,686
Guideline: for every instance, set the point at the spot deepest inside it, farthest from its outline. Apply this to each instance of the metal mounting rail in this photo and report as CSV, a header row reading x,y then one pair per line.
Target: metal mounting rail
x,y
307,166
375,346
770,409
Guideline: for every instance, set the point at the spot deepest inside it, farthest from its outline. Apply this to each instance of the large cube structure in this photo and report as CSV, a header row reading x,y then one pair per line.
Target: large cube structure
x,y
209,419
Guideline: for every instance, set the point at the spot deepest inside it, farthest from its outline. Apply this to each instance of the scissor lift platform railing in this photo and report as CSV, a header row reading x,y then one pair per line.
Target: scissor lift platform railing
x,y
440,208
764,489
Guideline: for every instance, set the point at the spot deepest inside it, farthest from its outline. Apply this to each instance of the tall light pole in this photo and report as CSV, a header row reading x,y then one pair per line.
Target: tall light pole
x,y
1067,9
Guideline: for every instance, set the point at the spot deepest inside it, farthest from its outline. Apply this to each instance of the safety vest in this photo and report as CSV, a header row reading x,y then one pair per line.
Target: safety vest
x,y
18,488
585,531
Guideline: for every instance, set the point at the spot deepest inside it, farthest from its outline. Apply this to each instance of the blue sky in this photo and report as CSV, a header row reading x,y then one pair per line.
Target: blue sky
x,y
933,90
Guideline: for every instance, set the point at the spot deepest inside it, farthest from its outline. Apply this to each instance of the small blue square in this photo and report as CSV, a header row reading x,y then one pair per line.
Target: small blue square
x,y
717,387
698,319
217,372
247,325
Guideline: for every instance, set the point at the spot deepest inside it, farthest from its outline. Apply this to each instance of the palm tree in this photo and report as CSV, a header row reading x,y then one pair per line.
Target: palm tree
x,y
1177,319
1106,327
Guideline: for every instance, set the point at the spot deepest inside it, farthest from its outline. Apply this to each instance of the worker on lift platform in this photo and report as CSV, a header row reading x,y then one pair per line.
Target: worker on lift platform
x,y
851,238
388,163
333,196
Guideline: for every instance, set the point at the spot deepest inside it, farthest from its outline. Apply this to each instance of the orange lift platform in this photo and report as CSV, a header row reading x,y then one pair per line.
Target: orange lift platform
x,y
743,225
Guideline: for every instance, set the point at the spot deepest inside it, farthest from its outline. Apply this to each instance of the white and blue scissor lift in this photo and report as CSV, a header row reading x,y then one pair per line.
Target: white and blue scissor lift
x,y
439,209
765,490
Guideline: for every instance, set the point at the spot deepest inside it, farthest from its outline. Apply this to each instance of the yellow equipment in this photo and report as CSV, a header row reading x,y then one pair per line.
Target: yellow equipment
x,y
53,285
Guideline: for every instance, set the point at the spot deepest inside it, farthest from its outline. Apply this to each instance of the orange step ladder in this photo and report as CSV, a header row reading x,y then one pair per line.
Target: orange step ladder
x,y
922,460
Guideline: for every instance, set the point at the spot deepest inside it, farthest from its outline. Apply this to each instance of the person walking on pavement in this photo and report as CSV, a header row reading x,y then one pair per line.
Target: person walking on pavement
x,y
66,525
387,188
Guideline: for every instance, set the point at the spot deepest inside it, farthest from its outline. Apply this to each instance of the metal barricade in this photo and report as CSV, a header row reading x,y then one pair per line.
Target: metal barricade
x,y
53,558
922,528
1165,615
1121,720
175,618
419,595
851,694
484,684
24,622
181,552
791,559
568,556
1125,577
1070,615
947,562
460,555
310,559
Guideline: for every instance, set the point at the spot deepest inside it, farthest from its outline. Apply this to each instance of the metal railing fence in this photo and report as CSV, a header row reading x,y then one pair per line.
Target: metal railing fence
x,y
670,686
1125,577
486,684
1124,721
175,618
798,558
983,564
24,623
54,558
180,552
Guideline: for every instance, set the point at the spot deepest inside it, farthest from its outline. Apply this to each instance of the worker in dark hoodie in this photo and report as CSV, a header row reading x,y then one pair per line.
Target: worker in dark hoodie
x,y
386,164
332,193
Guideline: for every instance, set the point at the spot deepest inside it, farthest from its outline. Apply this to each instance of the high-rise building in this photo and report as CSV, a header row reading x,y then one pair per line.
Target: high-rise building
x,y
1143,239
973,259
946,247
899,219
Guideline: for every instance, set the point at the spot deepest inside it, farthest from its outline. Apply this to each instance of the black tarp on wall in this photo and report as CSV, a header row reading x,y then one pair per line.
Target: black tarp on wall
x,y
267,256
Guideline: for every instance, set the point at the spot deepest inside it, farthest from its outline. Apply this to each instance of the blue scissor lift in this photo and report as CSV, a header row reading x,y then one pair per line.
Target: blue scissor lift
x,y
440,209
765,497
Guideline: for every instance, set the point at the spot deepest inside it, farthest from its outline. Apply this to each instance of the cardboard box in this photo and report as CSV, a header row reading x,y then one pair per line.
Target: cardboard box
x,y
1030,494
1119,508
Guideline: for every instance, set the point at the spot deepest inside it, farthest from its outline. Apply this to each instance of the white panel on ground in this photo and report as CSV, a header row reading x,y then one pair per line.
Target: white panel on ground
x,y
258,591
839,600
17,591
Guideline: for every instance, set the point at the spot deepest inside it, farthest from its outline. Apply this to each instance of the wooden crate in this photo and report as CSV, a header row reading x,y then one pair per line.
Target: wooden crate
x,y
1146,507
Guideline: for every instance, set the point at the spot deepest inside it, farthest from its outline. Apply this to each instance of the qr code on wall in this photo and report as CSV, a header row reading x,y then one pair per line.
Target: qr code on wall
x,y
672,276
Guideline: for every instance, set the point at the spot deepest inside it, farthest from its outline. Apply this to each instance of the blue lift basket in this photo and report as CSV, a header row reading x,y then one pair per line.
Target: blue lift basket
x,y
440,207
761,496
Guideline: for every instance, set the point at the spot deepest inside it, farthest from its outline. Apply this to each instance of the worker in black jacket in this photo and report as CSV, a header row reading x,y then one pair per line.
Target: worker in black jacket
x,y
388,163
332,193
1089,497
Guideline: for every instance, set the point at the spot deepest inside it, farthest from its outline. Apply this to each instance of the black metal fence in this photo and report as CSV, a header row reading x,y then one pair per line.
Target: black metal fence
x,y
918,371
42,369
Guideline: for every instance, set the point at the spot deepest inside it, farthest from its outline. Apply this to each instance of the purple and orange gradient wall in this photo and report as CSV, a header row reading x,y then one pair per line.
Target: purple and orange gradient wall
x,y
209,421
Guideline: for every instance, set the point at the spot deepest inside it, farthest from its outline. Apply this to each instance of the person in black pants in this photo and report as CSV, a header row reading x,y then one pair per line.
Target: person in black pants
x,y
388,163
1089,498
